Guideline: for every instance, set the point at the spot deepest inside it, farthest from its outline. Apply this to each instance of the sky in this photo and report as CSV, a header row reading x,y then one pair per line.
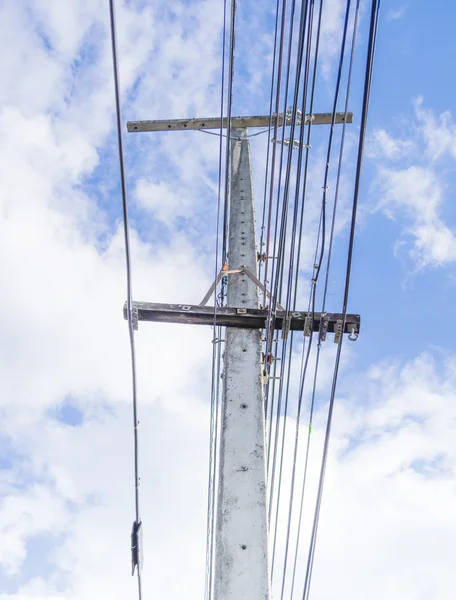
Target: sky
x,y
388,522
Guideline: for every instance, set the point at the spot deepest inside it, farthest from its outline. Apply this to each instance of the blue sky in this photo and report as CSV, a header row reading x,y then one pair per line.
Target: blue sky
x,y
66,462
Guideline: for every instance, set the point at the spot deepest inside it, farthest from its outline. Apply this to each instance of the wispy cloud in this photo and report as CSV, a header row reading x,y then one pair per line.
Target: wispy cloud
x,y
396,13
412,183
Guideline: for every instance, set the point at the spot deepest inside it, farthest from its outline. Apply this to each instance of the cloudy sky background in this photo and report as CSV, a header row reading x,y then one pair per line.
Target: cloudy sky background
x,y
388,523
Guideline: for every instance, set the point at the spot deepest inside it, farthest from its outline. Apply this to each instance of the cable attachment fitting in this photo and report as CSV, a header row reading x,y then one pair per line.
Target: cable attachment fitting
x,y
289,115
136,547
308,326
288,143
338,331
353,336
286,326
324,323
261,257
270,359
134,317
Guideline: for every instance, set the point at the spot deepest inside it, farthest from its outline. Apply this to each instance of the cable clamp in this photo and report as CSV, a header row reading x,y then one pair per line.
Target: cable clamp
x,y
134,317
286,324
136,547
324,323
289,115
338,330
353,336
308,325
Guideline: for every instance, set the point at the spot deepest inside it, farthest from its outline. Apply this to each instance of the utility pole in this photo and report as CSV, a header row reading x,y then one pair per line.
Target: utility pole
x,y
241,549
241,556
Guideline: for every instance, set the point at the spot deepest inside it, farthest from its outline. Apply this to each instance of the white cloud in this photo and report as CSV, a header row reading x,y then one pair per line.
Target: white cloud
x,y
387,508
395,14
415,184
63,287
438,132
383,145
62,327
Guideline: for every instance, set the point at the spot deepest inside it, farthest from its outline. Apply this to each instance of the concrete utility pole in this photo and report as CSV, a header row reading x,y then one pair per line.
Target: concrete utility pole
x,y
241,556
241,549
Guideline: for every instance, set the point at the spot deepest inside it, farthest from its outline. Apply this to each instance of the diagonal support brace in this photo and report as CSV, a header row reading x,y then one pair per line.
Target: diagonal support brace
x,y
243,271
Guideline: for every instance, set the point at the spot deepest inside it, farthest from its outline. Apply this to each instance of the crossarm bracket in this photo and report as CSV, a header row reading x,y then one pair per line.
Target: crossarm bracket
x,y
244,318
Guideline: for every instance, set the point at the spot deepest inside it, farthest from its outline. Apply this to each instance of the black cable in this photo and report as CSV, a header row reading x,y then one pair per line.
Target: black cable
x,y
274,299
266,370
330,142
341,153
228,132
366,97
216,351
353,45
288,359
214,427
271,100
137,524
269,329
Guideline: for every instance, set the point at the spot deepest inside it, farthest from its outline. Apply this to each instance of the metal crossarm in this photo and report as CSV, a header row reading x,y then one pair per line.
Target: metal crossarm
x,y
236,122
244,318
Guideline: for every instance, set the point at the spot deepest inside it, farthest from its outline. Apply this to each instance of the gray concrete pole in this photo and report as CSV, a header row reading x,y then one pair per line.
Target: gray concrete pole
x,y
241,553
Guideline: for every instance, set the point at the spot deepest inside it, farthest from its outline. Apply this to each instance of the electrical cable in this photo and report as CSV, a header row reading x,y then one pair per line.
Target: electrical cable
x,y
271,100
365,109
274,299
137,524
300,51
228,132
216,351
266,371
353,45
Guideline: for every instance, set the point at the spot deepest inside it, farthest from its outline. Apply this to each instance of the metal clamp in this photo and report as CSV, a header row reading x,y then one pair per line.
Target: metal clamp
x,y
324,323
338,330
136,547
353,336
286,324
308,326
134,318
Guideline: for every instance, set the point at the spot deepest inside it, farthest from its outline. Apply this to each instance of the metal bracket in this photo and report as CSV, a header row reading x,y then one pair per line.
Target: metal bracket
x,y
212,288
245,318
338,331
258,283
323,327
286,326
308,326
136,547
134,318
287,142
244,270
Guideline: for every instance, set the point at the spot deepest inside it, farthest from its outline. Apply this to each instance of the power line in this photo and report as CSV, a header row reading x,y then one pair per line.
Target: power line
x,y
228,130
366,97
271,100
217,331
353,45
274,299
137,523
300,51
